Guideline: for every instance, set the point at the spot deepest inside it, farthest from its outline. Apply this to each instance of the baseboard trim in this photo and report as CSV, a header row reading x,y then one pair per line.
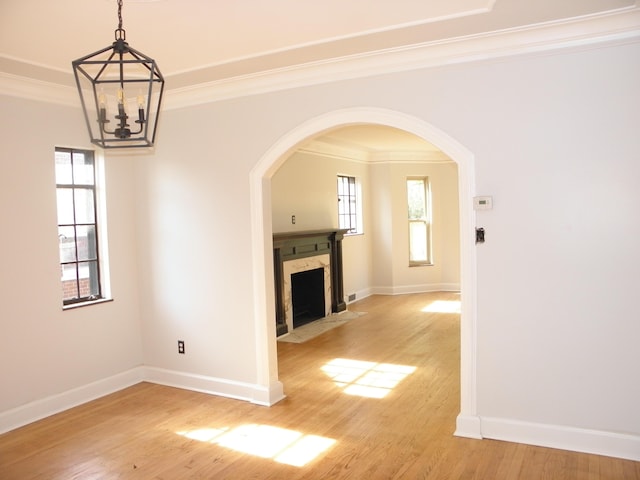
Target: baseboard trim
x,y
596,442
260,395
45,407
425,288
468,426
360,295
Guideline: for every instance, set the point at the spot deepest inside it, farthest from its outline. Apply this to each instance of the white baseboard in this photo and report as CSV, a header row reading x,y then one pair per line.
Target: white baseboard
x,y
597,442
404,289
360,294
425,288
45,407
216,386
468,426
38,409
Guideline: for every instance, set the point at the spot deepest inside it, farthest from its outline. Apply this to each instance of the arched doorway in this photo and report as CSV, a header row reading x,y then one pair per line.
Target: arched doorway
x,y
468,423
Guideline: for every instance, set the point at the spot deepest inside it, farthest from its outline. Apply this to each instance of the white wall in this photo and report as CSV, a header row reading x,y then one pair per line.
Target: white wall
x,y
391,250
47,351
305,186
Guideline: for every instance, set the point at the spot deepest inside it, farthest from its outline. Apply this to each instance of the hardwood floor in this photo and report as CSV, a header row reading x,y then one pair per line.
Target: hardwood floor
x,y
404,359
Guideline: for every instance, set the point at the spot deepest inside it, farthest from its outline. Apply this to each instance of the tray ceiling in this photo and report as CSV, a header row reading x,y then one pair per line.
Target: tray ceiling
x,y
196,41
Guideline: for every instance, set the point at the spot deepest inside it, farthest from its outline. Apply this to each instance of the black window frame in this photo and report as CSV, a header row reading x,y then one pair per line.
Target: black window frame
x,y
348,211
92,260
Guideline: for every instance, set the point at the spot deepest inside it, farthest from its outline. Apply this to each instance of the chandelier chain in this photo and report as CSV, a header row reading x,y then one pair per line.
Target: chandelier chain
x,y
120,33
119,14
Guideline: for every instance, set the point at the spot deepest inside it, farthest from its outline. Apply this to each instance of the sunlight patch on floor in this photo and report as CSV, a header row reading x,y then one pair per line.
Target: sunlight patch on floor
x,y
366,379
443,306
281,445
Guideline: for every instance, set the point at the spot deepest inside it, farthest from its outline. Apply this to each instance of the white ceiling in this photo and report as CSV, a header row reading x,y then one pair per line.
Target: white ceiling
x,y
200,41
194,40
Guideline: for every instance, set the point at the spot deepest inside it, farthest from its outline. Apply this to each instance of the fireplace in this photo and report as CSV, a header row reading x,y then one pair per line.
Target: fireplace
x,y
307,296
297,253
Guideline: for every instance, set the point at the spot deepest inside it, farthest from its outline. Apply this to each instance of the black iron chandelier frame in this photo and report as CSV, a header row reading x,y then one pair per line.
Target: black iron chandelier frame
x,y
112,73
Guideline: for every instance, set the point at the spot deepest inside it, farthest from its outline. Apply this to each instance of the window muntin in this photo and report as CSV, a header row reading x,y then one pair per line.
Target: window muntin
x,y
419,220
77,225
349,215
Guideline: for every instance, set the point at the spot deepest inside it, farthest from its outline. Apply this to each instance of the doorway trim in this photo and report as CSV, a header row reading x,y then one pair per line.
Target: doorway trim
x,y
468,422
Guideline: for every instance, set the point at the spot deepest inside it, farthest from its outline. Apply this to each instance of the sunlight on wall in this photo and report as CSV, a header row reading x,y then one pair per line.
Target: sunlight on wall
x,y
366,379
443,306
281,445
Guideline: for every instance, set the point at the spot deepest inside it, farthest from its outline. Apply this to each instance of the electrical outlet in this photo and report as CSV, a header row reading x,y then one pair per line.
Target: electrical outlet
x,y
181,346
293,219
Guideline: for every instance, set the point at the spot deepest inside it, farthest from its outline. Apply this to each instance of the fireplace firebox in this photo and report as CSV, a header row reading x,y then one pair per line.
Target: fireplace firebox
x,y
307,296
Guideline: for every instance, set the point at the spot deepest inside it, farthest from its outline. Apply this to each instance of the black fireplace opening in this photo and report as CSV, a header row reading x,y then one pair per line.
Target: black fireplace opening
x,y
307,296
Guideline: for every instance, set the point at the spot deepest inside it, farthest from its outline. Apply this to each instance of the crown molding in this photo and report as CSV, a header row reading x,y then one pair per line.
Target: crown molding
x,y
358,155
585,32
591,31
409,157
29,88
331,150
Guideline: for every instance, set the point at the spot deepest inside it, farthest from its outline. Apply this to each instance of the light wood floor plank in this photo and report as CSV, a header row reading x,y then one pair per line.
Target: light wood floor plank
x,y
154,432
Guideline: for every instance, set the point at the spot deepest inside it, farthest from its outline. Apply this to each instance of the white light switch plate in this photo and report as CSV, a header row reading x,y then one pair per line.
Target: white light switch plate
x,y
482,203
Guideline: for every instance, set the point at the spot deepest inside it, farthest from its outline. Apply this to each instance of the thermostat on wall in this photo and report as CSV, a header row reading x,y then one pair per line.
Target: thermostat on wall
x,y
482,203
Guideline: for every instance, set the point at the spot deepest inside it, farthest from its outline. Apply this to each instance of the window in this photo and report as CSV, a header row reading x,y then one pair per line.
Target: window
x,y
419,208
349,213
77,225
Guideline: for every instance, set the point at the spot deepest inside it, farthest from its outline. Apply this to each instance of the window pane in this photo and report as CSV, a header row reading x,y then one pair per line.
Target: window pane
x,y
67,243
63,168
341,186
83,169
417,241
69,282
87,248
65,206
88,273
84,205
416,198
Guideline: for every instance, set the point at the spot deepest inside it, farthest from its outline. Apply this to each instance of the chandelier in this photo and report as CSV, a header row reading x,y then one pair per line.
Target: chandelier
x,y
121,91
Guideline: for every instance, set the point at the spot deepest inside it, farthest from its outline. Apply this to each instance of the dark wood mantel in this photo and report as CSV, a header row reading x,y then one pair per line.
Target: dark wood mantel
x,y
293,245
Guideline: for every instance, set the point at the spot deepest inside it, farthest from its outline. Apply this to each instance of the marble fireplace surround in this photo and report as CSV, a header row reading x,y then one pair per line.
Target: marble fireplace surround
x,y
295,252
303,265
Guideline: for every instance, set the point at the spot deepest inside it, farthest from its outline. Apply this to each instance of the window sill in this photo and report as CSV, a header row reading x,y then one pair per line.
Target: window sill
x,y
86,304
411,265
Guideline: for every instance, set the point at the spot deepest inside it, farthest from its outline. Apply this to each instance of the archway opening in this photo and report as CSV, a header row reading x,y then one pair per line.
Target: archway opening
x,y
467,423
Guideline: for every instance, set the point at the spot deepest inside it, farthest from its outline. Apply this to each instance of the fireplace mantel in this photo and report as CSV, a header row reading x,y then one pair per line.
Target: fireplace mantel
x,y
293,245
